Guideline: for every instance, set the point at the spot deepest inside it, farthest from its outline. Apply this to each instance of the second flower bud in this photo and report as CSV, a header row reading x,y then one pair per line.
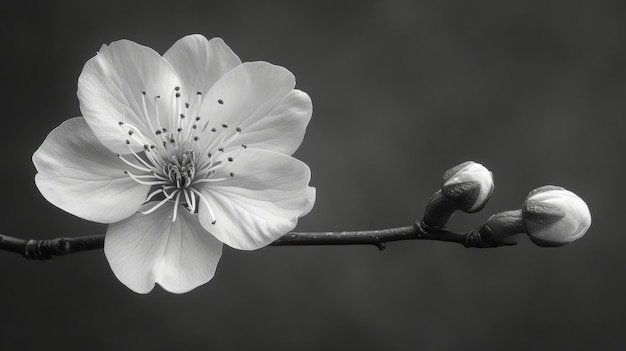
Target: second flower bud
x,y
469,185
466,187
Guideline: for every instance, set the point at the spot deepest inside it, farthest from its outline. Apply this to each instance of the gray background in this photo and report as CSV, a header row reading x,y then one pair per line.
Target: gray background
x,y
402,91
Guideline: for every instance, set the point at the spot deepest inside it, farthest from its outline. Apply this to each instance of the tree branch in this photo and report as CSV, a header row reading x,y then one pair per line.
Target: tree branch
x,y
45,249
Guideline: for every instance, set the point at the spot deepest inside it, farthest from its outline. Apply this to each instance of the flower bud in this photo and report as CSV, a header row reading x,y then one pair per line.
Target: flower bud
x,y
554,216
466,187
469,185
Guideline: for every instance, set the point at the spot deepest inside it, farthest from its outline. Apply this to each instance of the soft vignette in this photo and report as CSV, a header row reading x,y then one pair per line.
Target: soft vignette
x,y
164,261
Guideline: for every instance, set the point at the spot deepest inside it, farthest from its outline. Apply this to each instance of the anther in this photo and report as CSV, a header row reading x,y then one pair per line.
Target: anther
x,y
179,130
127,141
120,122
146,147
194,126
130,132
214,221
209,154
143,92
177,88
244,146
195,138
230,159
182,115
238,129
199,92
197,118
224,125
232,174
220,149
220,101
158,132
213,130
177,95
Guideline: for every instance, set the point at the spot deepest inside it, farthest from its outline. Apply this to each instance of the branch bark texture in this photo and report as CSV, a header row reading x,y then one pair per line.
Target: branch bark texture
x,y
45,249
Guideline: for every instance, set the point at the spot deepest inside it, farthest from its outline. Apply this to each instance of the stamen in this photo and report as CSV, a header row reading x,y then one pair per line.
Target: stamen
x,y
227,142
153,158
132,164
193,202
206,203
145,110
176,207
167,198
153,194
156,108
187,199
139,158
157,176
138,180
140,138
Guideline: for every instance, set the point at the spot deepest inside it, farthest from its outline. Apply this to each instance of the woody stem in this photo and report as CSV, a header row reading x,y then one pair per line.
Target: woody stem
x,y
44,249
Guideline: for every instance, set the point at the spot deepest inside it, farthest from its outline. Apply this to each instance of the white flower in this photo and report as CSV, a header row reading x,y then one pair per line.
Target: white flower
x,y
554,216
180,153
469,184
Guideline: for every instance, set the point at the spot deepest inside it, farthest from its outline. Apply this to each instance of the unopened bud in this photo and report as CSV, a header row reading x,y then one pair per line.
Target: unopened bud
x,y
466,187
554,216
469,185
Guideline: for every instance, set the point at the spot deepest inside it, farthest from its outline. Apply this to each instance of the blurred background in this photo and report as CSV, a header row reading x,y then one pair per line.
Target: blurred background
x,y
402,91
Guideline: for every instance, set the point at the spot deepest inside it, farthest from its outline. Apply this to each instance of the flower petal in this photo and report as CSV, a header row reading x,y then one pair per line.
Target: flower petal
x,y
263,201
110,91
200,62
311,195
244,95
147,249
282,130
81,176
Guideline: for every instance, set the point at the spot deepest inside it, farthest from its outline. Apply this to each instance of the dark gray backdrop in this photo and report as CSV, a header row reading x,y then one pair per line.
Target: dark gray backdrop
x,y
402,90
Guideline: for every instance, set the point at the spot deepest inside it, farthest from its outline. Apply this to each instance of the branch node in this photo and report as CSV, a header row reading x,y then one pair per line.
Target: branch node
x,y
423,227
473,239
37,250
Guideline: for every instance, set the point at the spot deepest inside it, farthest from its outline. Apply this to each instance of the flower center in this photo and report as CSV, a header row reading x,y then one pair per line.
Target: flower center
x,y
181,172
172,161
